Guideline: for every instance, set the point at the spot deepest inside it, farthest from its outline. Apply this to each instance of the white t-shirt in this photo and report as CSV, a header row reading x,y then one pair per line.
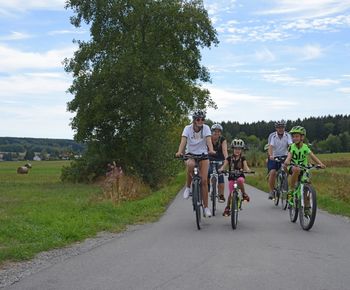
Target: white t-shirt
x,y
196,141
280,145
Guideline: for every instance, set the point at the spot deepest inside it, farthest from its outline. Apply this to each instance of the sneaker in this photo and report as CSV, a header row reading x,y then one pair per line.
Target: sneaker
x,y
246,197
186,193
207,212
271,195
227,211
221,198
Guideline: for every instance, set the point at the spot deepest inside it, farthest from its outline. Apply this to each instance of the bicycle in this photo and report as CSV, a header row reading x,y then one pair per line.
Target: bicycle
x,y
303,200
281,189
235,195
196,186
214,176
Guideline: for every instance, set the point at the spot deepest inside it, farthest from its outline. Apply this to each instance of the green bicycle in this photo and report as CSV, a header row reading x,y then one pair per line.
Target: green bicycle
x,y
303,200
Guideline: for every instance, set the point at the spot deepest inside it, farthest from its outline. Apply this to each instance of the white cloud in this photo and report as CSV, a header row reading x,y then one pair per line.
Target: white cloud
x,y
34,86
215,7
306,52
307,8
265,55
28,120
235,105
344,90
8,8
252,31
15,35
321,82
66,31
15,60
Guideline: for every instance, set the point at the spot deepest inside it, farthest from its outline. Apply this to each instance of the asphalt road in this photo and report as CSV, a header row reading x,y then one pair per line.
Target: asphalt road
x,y
267,251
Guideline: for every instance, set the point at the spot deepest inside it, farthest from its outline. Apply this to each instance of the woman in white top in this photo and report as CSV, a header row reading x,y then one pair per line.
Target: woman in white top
x,y
197,137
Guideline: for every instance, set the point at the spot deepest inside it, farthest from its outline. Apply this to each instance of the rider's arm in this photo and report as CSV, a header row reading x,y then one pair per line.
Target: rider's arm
x,y
224,165
288,159
315,159
270,151
182,146
224,148
245,166
210,144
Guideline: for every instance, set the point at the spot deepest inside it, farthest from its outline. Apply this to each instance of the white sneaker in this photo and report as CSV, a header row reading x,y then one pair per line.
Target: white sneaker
x,y
207,212
186,193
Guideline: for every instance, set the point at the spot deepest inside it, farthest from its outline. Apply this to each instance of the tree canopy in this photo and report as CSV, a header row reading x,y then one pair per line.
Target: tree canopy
x,y
138,77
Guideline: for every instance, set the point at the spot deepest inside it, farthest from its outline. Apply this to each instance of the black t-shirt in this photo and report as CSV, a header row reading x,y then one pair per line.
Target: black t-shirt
x,y
235,164
219,156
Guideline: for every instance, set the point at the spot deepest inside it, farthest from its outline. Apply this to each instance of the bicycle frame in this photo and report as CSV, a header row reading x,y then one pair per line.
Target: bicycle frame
x,y
196,186
213,181
297,205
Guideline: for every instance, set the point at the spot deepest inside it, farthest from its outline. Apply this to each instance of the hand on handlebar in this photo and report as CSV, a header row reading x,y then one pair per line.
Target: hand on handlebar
x,y
178,154
211,152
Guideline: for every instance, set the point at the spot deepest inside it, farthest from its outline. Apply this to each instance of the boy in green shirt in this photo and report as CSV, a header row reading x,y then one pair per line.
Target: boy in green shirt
x,y
298,154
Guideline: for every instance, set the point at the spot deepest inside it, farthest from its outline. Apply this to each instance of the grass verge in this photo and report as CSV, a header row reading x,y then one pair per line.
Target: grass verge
x,y
39,213
332,185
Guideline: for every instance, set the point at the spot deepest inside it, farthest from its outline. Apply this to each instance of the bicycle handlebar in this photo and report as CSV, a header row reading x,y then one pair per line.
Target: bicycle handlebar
x,y
236,172
308,167
195,157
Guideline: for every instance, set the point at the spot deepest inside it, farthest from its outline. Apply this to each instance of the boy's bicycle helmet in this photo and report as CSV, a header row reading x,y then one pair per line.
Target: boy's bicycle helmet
x,y
237,143
298,130
281,123
198,114
216,126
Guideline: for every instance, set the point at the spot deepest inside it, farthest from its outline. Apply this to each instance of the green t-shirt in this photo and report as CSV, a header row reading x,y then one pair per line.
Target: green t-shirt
x,y
299,155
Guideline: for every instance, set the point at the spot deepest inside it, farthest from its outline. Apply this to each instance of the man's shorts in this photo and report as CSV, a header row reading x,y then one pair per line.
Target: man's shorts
x,y
272,164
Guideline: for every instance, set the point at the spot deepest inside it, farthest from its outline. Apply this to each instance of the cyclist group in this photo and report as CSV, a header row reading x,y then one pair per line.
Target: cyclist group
x,y
199,139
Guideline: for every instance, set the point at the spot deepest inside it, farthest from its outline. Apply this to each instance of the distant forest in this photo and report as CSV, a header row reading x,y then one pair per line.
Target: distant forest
x,y
13,148
326,134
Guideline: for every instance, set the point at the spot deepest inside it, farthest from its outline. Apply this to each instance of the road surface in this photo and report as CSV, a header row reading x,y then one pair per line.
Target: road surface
x,y
267,251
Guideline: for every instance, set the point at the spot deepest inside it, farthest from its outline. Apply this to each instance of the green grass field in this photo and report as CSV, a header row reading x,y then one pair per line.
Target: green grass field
x,y
332,184
38,212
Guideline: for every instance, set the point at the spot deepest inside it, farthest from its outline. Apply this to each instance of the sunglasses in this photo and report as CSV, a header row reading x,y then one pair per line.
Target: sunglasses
x,y
200,119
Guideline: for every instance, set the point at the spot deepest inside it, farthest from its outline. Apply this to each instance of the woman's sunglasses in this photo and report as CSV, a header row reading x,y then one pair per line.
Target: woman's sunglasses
x,y
200,119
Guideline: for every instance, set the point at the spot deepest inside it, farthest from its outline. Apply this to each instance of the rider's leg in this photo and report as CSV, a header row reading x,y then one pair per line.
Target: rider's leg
x,y
240,182
210,171
204,165
295,176
230,189
221,188
190,165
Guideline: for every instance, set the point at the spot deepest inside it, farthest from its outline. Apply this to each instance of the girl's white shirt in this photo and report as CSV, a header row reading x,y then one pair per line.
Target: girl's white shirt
x,y
196,141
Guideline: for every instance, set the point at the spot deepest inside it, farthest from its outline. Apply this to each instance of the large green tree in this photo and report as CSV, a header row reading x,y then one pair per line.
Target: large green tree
x,y
137,77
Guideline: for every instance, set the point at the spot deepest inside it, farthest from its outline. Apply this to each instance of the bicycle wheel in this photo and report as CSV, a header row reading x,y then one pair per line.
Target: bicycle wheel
x,y
293,210
277,192
234,210
307,214
284,191
197,203
213,195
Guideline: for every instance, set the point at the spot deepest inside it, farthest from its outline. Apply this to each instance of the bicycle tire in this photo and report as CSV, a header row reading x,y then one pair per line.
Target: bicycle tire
x,y
197,203
307,221
284,191
213,195
234,210
277,191
293,210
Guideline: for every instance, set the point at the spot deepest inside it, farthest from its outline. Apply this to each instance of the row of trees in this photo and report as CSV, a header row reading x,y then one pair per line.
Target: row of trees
x,y
53,147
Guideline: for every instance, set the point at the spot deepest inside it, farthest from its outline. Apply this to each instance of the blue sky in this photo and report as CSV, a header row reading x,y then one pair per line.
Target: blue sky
x,y
276,59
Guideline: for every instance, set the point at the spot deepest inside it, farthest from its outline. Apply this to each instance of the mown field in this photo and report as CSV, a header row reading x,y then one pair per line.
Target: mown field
x,y
332,184
38,212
